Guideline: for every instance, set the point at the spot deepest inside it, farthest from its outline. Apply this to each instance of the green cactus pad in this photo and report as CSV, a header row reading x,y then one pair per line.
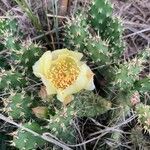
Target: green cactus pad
x,y
60,124
12,80
77,32
7,25
88,104
99,11
143,112
27,141
18,106
143,85
98,51
113,34
84,104
30,55
127,73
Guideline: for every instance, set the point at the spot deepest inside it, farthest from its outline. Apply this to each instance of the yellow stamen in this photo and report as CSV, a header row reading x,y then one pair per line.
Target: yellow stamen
x,y
63,72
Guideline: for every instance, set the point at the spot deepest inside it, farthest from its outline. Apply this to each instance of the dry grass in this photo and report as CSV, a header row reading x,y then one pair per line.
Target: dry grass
x,y
136,19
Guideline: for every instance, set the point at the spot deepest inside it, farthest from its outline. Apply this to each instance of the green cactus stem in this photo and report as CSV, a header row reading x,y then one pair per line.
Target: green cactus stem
x,y
24,140
18,106
143,113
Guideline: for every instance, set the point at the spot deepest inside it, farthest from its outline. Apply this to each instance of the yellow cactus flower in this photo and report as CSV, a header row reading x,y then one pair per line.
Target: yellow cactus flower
x,y
63,73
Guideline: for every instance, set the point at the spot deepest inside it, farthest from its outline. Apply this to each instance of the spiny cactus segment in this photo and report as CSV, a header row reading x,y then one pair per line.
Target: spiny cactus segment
x,y
21,53
113,34
98,50
89,104
11,80
143,85
101,37
99,12
143,113
61,124
18,106
127,73
27,141
77,32
31,53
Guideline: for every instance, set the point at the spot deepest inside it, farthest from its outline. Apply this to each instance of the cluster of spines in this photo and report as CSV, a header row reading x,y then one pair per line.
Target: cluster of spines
x,y
17,105
25,140
98,50
61,124
99,12
127,74
12,80
143,113
77,32
20,53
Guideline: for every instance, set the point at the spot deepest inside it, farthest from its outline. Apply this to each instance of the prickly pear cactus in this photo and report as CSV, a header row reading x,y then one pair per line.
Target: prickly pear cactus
x,y
18,106
127,73
102,42
101,37
85,104
21,53
77,32
12,79
99,12
27,141
98,35
16,60
143,113
61,124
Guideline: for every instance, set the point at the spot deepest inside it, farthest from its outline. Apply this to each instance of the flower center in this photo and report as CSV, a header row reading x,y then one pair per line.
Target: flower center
x,y
63,72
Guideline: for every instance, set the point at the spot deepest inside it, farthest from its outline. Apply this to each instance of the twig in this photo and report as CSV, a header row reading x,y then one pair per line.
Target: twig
x,y
8,17
57,16
138,32
104,132
44,137
40,36
32,86
135,24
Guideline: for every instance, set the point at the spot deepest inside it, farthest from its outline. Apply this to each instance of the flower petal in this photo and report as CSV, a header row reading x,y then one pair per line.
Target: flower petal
x,y
82,82
76,55
36,69
67,99
90,84
49,86
41,67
